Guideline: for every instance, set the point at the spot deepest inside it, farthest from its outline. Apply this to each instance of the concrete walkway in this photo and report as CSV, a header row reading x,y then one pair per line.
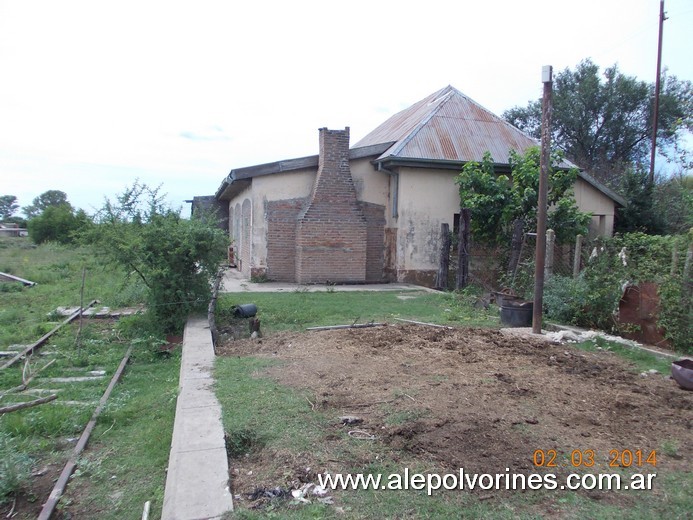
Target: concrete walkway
x,y
234,282
197,483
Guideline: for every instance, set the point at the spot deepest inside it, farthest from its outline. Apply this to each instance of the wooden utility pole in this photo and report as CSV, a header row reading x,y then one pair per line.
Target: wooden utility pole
x,y
655,116
578,256
545,162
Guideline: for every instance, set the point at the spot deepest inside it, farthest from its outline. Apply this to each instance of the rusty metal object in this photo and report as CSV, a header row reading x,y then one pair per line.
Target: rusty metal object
x,y
638,313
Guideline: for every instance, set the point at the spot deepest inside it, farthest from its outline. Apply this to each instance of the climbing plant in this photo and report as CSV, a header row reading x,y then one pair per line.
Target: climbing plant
x,y
496,200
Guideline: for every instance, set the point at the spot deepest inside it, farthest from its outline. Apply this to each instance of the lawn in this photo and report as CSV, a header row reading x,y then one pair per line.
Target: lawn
x,y
435,400
125,461
300,309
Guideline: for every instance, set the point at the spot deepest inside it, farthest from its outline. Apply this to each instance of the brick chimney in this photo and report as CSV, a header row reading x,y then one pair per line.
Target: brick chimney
x,y
331,231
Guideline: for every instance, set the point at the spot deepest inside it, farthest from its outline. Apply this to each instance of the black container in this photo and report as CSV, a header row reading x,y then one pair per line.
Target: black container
x,y
682,372
247,310
517,313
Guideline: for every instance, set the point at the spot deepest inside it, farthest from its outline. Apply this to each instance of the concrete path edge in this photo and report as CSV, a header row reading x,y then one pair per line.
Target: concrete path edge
x,y
197,483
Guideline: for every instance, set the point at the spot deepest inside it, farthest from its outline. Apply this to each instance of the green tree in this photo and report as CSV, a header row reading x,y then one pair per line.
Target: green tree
x,y
640,213
45,200
496,201
57,224
673,202
603,122
175,258
8,206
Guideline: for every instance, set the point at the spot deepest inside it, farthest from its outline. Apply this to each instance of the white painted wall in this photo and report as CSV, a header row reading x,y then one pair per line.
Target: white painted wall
x,y
371,185
427,198
279,186
591,200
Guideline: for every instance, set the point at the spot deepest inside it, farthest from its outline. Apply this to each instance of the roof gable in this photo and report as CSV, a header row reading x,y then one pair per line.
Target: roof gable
x,y
448,126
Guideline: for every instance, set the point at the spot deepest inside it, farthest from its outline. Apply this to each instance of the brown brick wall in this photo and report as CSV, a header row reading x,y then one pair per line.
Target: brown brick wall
x,y
331,235
375,241
282,216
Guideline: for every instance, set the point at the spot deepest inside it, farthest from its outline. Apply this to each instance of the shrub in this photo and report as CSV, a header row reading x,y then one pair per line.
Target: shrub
x,y
592,299
15,467
175,258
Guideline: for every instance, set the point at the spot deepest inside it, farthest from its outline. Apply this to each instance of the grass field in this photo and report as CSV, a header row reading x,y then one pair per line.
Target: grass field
x,y
297,310
124,464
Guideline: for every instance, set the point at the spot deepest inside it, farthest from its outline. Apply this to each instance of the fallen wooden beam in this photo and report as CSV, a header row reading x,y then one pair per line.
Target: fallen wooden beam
x,y
30,349
28,404
424,323
25,384
61,484
354,326
12,278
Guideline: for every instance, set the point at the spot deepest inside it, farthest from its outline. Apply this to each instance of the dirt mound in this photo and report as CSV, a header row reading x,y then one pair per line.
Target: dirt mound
x,y
480,399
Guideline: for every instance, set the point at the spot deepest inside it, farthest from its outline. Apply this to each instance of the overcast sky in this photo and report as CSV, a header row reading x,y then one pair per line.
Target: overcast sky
x,y
95,94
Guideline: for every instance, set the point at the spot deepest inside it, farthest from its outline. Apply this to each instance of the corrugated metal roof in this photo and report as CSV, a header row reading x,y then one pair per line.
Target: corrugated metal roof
x,y
447,125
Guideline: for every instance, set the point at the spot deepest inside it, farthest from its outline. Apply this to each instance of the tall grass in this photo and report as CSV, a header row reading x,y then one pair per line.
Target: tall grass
x,y
124,464
26,313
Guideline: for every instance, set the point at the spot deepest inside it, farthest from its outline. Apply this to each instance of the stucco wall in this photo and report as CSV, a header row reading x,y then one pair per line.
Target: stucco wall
x,y
241,243
591,200
427,198
267,188
370,185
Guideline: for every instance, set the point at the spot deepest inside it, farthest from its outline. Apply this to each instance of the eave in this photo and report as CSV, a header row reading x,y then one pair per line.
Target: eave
x,y
239,178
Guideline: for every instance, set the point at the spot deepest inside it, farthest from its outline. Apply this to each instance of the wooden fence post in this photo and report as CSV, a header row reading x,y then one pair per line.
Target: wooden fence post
x,y
550,243
444,264
463,251
687,282
516,245
578,256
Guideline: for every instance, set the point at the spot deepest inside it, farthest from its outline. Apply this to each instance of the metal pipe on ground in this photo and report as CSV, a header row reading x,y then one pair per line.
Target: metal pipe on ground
x,y
69,468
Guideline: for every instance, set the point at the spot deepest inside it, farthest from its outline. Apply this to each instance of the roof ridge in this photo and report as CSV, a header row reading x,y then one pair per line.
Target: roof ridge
x,y
403,142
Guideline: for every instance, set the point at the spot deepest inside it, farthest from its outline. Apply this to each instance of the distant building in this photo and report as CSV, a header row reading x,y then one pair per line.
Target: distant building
x,y
10,229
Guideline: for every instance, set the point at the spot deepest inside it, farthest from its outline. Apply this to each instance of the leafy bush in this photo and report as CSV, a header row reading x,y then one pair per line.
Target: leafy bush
x,y
175,258
496,201
15,467
592,299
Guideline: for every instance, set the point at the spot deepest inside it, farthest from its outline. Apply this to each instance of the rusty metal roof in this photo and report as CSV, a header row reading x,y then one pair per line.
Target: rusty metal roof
x,y
447,125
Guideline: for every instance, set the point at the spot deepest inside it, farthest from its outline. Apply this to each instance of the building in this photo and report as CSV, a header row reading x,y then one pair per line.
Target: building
x,y
372,212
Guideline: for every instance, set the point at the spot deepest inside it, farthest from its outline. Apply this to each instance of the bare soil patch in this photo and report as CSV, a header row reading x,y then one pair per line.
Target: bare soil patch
x,y
29,502
472,398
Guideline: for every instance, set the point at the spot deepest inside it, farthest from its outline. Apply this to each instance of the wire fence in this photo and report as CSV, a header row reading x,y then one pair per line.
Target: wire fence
x,y
493,269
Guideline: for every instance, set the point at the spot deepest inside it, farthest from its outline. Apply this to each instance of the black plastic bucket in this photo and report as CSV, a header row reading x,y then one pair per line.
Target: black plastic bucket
x,y
247,310
517,313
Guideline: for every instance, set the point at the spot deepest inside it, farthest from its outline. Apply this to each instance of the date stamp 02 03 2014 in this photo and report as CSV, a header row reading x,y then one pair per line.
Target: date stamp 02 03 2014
x,y
587,458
